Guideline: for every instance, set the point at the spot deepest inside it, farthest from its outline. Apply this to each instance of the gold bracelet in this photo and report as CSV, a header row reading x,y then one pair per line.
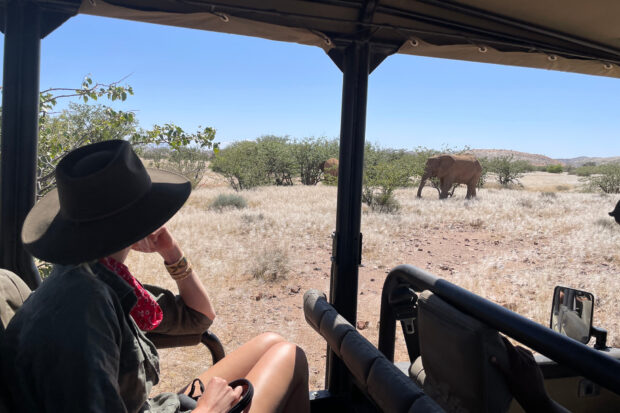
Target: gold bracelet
x,y
183,275
180,269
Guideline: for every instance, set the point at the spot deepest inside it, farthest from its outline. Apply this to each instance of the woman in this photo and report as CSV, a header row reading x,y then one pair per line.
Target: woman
x,y
77,344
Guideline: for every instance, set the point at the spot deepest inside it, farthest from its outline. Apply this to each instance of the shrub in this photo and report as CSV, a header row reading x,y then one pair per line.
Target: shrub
x,y
223,201
607,178
548,194
384,171
271,265
276,154
310,154
585,170
241,164
380,201
508,170
189,162
555,169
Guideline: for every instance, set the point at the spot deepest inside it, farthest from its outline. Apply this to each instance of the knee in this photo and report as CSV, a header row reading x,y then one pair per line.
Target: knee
x,y
268,340
295,356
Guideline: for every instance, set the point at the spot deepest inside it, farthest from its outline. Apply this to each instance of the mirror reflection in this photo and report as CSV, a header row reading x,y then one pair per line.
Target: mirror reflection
x,y
571,313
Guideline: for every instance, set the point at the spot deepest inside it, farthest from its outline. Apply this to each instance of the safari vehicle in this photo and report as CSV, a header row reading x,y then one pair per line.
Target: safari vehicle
x,y
440,320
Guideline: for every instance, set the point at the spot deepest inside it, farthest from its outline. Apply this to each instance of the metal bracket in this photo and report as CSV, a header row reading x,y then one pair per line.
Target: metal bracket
x,y
408,324
335,247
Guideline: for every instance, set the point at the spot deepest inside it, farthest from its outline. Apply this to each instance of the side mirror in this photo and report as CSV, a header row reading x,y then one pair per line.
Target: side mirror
x,y
571,313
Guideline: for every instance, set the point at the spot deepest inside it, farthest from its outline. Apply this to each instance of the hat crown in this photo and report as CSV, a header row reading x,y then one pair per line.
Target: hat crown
x,y
99,180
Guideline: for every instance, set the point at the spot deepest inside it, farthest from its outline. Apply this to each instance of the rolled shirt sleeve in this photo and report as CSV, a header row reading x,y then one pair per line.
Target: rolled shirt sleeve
x,y
178,317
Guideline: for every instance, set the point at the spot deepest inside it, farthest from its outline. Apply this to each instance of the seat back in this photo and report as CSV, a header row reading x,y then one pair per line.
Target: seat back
x,y
454,367
13,293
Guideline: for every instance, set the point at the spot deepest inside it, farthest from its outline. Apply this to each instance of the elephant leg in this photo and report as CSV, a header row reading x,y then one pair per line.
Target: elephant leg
x,y
444,185
472,191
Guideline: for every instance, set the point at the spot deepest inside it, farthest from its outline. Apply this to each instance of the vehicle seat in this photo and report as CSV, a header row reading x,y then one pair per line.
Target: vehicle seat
x,y
13,293
454,367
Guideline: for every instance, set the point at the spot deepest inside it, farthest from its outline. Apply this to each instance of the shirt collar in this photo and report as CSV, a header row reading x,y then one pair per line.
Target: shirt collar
x,y
123,290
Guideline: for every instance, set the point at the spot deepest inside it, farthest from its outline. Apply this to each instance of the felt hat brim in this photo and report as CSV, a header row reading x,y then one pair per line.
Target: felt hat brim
x,y
49,236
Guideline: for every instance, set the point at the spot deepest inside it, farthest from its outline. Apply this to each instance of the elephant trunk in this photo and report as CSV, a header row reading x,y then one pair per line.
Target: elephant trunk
x,y
422,182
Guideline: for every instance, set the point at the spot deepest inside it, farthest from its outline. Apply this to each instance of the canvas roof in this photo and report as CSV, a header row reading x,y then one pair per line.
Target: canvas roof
x,y
567,35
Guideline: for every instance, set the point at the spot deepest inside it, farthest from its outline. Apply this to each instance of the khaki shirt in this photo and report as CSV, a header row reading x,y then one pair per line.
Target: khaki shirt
x,y
73,347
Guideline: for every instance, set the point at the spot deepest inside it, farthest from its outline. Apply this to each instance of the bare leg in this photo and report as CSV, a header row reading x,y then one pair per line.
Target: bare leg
x,y
277,369
238,363
280,380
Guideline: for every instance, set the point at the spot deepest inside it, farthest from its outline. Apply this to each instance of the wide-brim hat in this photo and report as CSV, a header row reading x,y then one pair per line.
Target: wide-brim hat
x,y
105,201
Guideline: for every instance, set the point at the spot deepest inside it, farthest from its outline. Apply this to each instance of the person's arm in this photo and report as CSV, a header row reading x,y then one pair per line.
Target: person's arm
x,y
191,289
525,381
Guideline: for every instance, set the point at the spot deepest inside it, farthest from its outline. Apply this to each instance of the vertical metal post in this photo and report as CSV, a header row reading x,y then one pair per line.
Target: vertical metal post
x,y
20,123
344,271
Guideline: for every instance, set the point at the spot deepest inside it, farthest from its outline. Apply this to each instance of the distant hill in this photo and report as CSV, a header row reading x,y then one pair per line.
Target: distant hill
x,y
583,159
540,160
534,159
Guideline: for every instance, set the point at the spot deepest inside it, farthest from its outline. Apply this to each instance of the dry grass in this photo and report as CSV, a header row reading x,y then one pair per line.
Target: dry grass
x,y
511,246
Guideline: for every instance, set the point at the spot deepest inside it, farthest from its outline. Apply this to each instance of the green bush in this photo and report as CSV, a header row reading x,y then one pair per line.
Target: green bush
x,y
223,201
586,170
555,169
606,179
276,155
189,162
380,201
508,170
241,164
384,171
310,154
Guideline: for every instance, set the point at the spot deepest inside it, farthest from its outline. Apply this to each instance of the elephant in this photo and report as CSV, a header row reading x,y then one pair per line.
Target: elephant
x,y
452,169
330,167
616,213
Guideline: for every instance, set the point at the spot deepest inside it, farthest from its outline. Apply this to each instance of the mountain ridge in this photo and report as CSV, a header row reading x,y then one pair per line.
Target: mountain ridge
x,y
541,160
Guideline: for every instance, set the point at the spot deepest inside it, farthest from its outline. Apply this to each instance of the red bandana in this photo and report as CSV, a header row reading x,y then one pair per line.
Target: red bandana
x,y
146,313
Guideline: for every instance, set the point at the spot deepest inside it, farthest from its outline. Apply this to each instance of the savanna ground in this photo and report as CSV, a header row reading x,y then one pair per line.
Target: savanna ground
x,y
510,246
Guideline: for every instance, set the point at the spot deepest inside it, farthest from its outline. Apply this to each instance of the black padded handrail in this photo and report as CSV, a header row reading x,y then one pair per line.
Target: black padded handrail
x,y
388,387
207,338
584,360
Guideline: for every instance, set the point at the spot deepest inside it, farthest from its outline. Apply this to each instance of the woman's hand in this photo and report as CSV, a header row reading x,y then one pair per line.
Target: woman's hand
x,y
162,242
218,397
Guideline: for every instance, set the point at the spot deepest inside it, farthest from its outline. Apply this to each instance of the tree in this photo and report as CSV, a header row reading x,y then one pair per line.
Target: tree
x,y
190,162
508,170
310,154
554,169
81,124
76,126
384,171
606,178
241,164
276,155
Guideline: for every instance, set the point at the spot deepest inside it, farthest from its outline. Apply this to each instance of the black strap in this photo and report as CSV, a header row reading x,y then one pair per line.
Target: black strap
x,y
242,404
246,395
192,392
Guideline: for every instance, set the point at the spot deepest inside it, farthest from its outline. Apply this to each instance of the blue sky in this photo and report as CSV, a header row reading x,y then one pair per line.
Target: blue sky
x,y
247,87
